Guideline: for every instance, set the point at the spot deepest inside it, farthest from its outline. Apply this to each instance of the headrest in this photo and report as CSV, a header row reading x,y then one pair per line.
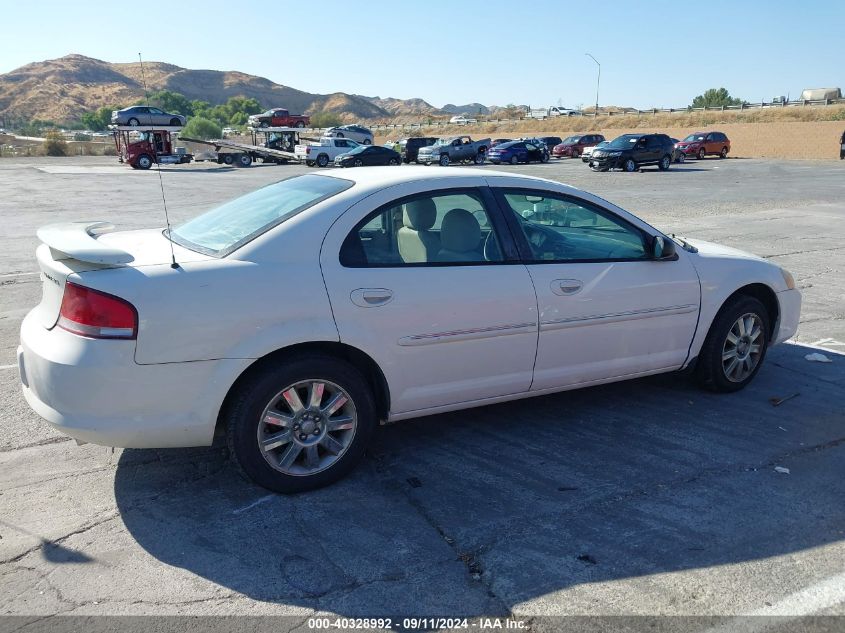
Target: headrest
x,y
420,214
460,231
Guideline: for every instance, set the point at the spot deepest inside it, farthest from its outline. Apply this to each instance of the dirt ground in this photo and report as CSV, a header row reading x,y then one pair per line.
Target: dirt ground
x,y
794,139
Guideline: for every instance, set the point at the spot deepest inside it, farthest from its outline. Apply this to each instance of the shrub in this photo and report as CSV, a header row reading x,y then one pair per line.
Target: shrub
x,y
714,98
201,128
54,144
79,136
325,119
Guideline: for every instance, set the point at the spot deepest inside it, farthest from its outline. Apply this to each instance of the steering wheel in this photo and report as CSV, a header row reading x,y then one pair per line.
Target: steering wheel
x,y
545,240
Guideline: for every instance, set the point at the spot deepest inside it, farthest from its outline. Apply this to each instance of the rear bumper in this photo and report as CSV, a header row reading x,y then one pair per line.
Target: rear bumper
x,y
94,391
789,302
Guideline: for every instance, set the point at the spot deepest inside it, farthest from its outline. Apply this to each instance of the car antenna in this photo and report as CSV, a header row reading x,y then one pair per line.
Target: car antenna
x,y
173,263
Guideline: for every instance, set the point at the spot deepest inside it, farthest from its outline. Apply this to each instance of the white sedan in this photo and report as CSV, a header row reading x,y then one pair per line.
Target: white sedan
x,y
298,317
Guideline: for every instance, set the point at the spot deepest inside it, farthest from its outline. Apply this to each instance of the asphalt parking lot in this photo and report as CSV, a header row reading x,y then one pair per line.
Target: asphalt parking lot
x,y
645,497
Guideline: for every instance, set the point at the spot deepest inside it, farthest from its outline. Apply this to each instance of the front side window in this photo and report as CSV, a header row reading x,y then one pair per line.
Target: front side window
x,y
435,229
228,227
562,229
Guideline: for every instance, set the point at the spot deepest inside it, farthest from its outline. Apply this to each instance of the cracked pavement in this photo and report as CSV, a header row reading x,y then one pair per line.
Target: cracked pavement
x,y
645,497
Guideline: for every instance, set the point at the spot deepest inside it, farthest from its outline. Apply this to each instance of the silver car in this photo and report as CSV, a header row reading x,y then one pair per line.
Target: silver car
x,y
146,115
357,133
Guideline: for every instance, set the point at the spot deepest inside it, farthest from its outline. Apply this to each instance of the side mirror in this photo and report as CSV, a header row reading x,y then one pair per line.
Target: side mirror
x,y
662,248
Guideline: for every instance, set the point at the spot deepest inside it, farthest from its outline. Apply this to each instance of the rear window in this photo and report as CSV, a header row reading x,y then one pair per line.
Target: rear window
x,y
226,228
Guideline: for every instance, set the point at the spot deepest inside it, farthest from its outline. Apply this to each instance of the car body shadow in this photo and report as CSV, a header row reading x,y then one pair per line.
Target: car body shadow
x,y
472,512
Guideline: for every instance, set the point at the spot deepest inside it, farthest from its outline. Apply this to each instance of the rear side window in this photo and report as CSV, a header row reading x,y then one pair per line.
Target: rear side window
x,y
446,228
228,227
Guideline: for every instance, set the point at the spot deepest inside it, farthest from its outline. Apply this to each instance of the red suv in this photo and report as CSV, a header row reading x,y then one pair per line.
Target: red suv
x,y
574,146
700,144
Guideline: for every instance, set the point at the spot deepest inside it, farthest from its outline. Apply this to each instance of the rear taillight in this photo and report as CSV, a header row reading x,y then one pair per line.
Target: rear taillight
x,y
96,314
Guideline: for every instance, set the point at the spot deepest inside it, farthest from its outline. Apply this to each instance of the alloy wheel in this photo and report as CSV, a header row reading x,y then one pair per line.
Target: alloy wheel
x,y
743,347
307,427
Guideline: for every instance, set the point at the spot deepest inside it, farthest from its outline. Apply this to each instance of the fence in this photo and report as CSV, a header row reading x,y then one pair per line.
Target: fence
x,y
621,112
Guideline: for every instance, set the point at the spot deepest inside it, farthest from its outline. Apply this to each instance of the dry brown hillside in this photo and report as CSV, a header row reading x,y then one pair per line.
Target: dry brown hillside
x,y
61,89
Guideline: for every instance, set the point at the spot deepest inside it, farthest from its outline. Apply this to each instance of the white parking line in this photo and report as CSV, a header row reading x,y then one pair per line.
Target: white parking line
x,y
813,599
8,366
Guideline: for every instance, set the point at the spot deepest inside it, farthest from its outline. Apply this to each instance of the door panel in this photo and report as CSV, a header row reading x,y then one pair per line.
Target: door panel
x,y
442,331
606,309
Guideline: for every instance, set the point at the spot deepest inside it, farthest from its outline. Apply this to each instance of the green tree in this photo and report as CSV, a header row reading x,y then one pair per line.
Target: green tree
x,y
325,119
714,98
172,102
79,136
54,144
99,119
200,108
202,128
239,119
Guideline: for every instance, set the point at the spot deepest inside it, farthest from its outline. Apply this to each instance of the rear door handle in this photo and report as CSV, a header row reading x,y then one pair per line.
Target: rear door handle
x,y
371,297
565,287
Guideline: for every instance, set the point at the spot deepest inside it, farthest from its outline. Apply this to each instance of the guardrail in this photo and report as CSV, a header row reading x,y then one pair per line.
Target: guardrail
x,y
612,113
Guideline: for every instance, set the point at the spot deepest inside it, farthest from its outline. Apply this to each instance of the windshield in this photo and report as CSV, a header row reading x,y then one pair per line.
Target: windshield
x,y
624,142
228,227
694,137
358,149
571,140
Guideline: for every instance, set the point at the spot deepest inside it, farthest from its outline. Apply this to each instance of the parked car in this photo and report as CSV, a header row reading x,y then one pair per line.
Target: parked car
x,y
549,141
519,152
842,146
454,149
588,151
574,146
677,155
404,284
278,117
499,141
409,148
324,151
462,120
367,155
701,144
357,133
632,151
146,115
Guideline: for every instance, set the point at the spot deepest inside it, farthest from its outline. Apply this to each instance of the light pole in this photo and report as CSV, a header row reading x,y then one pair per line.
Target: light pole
x,y
598,81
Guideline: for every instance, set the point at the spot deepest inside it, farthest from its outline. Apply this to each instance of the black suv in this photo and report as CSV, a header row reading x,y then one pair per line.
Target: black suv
x,y
409,148
631,151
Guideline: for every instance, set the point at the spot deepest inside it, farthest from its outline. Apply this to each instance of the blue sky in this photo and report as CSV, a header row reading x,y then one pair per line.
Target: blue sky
x,y
653,53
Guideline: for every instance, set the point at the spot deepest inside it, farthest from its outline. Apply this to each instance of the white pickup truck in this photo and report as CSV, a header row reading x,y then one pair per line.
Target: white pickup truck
x,y
323,152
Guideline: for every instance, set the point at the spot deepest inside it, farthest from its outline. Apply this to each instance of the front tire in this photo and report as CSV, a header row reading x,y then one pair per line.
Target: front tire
x,y
444,160
133,122
144,161
322,160
358,163
368,141
393,162
300,124
736,345
301,424
701,154
629,165
514,160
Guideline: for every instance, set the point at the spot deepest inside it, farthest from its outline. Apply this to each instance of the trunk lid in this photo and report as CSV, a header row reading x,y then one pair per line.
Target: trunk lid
x,y
77,247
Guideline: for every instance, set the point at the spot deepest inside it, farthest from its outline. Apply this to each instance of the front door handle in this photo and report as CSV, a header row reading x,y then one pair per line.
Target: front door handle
x,y
371,297
565,287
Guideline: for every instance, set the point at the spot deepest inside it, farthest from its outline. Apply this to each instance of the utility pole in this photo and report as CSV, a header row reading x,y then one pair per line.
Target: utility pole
x,y
598,81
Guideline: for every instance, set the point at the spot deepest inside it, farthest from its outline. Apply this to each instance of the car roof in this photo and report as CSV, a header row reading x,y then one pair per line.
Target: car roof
x,y
376,178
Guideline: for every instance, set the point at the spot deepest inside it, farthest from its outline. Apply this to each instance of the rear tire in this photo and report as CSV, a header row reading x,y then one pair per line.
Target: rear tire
x,y
723,153
175,122
714,369
665,163
393,162
300,124
314,464
479,158
244,160
228,159
133,122
575,153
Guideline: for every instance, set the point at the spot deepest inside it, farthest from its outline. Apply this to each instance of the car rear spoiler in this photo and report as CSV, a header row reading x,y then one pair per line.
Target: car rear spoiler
x,y
78,240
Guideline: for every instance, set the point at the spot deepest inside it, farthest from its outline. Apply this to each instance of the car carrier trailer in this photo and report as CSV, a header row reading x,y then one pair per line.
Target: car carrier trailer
x,y
271,145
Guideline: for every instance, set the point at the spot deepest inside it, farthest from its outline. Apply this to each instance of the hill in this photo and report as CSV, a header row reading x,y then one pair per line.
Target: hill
x,y
62,89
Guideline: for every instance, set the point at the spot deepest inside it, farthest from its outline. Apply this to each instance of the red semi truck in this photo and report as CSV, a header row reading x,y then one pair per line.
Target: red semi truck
x,y
140,147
